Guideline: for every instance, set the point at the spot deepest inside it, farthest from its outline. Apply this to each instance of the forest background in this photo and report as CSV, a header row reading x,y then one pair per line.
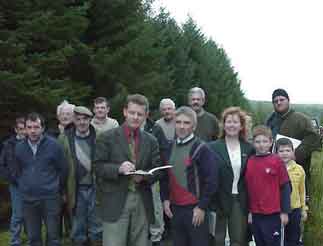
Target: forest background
x,y
76,50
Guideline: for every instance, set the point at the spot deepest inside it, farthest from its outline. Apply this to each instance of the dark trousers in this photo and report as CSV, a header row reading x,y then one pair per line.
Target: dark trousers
x,y
266,229
236,222
293,228
45,211
184,233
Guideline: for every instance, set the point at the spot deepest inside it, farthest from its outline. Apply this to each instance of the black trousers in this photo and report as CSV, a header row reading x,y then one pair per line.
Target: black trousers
x,y
45,211
266,229
293,228
183,231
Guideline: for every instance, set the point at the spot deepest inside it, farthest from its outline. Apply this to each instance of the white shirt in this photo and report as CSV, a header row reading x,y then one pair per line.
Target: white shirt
x,y
235,158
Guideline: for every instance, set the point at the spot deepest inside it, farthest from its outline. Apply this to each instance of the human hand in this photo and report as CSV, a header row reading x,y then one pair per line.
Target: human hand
x,y
304,215
167,210
284,218
198,216
126,167
64,198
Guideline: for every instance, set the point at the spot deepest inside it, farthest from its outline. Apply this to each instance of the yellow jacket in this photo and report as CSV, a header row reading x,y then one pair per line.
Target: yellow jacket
x,y
297,177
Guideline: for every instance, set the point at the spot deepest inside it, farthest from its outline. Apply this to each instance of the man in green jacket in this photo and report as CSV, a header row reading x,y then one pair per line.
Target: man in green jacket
x,y
285,121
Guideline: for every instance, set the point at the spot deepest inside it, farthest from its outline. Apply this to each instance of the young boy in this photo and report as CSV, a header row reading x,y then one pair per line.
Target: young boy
x,y
296,174
268,189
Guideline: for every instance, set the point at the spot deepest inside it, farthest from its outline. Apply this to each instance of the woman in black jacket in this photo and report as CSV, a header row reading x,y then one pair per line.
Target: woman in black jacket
x,y
230,201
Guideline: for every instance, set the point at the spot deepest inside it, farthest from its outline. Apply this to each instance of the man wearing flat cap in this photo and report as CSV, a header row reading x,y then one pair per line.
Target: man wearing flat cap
x,y
79,147
285,121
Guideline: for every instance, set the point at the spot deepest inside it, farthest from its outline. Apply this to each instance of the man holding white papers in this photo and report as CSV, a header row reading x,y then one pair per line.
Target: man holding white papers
x,y
187,189
285,121
125,201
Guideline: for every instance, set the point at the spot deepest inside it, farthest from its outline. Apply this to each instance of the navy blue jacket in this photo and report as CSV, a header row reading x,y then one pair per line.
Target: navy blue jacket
x,y
9,169
206,163
43,175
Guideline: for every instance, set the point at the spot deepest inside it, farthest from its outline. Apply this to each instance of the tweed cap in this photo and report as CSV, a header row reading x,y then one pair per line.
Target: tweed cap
x,y
83,110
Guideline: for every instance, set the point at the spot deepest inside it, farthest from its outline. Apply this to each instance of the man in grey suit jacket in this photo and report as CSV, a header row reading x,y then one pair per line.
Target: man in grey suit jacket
x,y
125,201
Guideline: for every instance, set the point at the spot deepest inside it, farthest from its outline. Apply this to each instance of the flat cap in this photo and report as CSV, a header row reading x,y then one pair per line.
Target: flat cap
x,y
83,110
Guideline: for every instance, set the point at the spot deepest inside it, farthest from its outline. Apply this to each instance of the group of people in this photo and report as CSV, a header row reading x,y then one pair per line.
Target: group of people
x,y
89,163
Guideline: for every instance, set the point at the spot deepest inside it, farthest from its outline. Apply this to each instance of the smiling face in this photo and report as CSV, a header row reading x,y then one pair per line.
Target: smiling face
x,y
232,125
281,104
135,115
65,116
262,144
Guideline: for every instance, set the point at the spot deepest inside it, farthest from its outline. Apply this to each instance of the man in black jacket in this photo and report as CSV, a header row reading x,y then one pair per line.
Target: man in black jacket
x,y
8,171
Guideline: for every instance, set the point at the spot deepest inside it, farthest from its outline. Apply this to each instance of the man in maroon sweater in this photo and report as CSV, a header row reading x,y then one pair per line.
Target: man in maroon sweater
x,y
189,185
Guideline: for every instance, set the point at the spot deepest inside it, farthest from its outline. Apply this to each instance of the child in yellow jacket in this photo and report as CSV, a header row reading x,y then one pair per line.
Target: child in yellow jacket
x,y
296,174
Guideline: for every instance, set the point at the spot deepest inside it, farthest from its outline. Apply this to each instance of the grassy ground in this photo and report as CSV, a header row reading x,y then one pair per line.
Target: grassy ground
x,y
5,237
314,225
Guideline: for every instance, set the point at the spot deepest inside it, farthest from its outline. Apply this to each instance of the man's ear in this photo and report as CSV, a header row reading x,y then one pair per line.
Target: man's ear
x,y
125,112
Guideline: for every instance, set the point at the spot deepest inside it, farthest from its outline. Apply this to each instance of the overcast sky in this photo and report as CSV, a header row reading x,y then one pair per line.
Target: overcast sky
x,y
271,43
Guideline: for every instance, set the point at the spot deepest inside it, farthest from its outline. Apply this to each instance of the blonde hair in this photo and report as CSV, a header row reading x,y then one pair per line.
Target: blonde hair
x,y
243,119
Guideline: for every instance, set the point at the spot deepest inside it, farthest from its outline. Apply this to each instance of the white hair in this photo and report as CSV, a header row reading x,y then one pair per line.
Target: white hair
x,y
196,90
167,101
65,105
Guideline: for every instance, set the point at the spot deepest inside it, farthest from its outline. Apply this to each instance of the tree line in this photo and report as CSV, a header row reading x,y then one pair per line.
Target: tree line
x,y
80,49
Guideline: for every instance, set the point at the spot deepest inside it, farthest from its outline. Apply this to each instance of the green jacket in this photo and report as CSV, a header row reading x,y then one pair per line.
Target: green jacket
x,y
297,125
222,200
112,149
66,139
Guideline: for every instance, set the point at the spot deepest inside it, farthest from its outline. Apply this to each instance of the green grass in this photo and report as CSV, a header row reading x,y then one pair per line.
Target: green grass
x,y
314,226
5,237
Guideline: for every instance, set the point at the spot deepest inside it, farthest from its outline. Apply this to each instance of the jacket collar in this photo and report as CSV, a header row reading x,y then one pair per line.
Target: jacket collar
x,y
285,115
185,140
291,165
223,152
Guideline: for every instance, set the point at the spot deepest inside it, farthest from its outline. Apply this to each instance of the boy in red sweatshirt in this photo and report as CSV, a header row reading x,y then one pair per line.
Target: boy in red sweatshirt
x,y
268,189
